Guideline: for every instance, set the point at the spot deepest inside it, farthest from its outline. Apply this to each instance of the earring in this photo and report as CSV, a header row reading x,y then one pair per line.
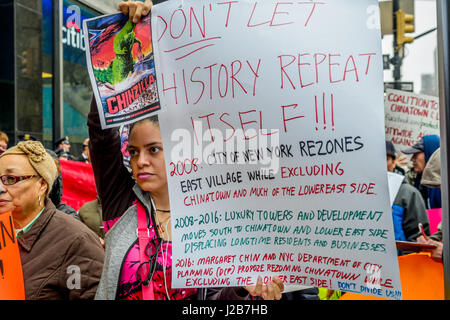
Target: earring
x,y
39,199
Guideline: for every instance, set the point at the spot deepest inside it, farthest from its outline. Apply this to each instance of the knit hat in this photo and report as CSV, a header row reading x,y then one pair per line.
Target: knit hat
x,y
39,159
390,149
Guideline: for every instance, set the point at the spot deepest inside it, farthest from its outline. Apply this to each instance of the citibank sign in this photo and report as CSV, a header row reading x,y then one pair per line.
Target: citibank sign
x,y
73,38
72,34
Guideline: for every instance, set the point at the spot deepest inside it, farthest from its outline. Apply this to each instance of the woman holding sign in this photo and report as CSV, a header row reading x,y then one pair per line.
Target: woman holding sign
x,y
138,260
123,197
61,258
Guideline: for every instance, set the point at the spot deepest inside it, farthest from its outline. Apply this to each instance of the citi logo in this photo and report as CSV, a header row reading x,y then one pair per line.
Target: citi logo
x,y
72,34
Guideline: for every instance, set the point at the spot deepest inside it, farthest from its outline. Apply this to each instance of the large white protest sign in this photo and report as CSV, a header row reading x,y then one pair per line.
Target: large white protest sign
x,y
409,116
273,135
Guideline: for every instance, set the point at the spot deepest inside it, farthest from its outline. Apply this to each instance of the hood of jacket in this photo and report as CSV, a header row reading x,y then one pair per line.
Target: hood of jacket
x,y
431,176
430,143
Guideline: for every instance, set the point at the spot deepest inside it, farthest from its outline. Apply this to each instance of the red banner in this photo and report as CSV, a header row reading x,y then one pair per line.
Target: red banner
x,y
78,183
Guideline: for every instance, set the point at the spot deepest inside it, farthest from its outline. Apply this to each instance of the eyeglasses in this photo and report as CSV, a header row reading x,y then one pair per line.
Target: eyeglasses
x,y
9,180
146,269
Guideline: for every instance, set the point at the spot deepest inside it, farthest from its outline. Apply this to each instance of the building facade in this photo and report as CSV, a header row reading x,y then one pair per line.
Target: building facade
x,y
44,83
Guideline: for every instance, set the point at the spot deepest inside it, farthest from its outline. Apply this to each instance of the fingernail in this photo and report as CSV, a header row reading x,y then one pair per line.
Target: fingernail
x,y
144,12
135,20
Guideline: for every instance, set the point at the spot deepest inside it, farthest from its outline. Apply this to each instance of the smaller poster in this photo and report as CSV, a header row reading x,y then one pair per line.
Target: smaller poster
x,y
395,181
120,62
11,277
409,116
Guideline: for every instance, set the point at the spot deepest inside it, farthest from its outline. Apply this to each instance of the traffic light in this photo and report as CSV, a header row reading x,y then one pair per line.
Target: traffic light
x,y
27,62
404,26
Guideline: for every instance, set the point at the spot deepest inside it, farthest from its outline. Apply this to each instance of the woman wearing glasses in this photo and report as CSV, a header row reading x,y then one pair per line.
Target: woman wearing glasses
x,y
61,258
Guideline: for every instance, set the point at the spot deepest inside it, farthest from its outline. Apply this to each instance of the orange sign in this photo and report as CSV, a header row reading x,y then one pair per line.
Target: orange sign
x,y
422,278
11,277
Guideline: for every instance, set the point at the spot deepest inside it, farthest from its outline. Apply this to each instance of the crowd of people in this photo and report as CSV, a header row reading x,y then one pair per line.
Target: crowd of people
x,y
419,191
57,241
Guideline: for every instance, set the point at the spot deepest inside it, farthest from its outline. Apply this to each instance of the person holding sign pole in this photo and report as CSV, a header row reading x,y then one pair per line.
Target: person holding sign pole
x,y
61,258
408,208
431,178
421,153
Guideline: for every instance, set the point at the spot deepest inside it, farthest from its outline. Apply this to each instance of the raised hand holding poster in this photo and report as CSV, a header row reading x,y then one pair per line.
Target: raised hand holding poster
x,y
11,277
120,64
273,130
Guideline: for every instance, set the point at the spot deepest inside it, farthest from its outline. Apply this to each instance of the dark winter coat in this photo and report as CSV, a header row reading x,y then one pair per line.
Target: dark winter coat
x,y
408,211
61,258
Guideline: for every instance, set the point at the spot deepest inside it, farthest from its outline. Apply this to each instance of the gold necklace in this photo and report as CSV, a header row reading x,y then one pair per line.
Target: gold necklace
x,y
159,226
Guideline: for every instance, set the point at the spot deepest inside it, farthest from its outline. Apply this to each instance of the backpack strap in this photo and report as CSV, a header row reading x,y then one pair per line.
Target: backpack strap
x,y
144,236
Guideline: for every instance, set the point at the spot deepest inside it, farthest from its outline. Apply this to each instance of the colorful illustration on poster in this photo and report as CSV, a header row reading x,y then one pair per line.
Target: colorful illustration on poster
x,y
121,66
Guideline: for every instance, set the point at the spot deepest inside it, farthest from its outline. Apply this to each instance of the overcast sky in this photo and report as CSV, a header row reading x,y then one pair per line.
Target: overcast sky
x,y
419,55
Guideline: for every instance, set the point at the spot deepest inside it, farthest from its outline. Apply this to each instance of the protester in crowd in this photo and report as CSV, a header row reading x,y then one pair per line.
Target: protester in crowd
x,y
90,214
118,193
56,194
421,152
125,198
84,157
408,208
62,149
431,178
4,140
396,162
124,275
61,258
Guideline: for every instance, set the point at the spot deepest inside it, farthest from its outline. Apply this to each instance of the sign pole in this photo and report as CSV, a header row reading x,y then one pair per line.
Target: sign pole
x,y
397,60
57,81
443,11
